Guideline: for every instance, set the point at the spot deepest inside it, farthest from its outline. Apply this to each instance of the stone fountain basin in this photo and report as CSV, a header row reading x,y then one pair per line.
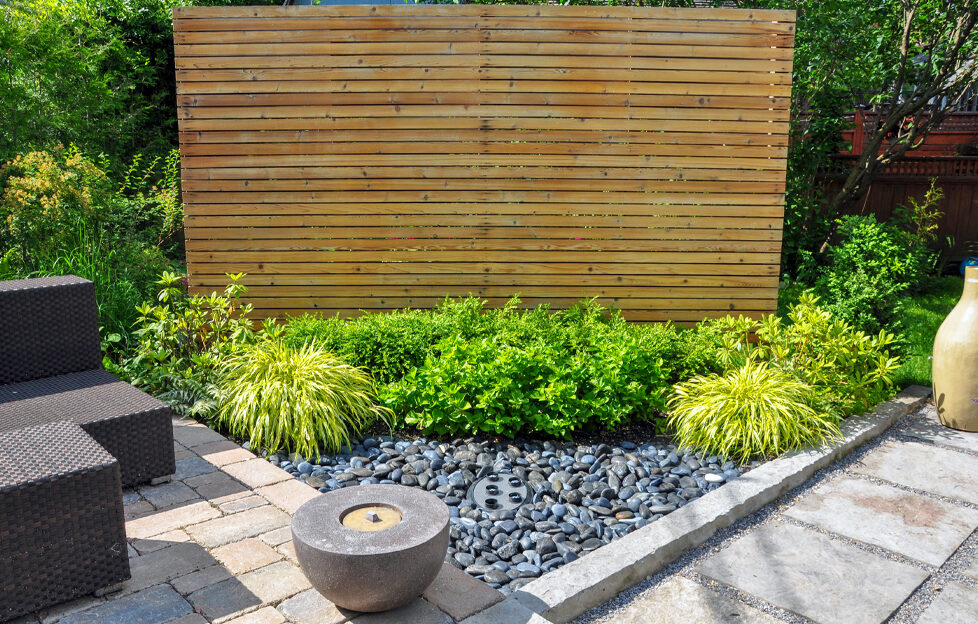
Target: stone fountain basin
x,y
371,570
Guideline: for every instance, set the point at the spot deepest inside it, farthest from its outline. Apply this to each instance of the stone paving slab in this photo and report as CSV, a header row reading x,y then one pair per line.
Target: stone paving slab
x,y
265,615
956,604
238,526
288,495
156,605
460,595
682,601
918,527
311,607
224,599
245,556
417,612
931,430
168,494
509,611
161,566
813,576
923,467
256,472
175,518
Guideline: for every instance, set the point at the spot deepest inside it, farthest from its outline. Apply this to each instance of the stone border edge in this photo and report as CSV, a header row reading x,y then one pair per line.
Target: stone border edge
x,y
565,593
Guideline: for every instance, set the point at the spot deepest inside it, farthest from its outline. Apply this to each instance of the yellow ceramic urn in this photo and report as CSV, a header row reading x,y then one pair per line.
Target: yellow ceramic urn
x,y
956,360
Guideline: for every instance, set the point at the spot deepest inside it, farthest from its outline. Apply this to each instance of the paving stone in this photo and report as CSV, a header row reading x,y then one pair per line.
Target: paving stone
x,y
241,504
239,526
288,495
223,599
57,612
681,601
417,612
278,536
137,509
155,605
200,579
183,454
163,565
168,494
195,435
163,540
811,575
218,487
913,525
930,429
223,453
163,521
508,611
924,467
256,472
130,496
287,550
246,555
265,615
311,607
275,582
956,604
193,618
460,595
192,467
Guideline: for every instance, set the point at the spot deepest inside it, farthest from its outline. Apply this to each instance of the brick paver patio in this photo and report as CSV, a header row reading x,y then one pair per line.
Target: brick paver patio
x,y
214,545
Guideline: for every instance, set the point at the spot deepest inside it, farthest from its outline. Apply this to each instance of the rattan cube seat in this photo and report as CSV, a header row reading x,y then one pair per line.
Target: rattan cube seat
x,y
62,528
51,369
131,425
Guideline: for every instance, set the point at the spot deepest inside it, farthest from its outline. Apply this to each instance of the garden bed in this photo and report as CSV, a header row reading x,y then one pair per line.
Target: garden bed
x,y
582,496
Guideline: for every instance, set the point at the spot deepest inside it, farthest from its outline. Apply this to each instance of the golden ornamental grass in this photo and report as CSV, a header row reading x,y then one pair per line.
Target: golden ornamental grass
x,y
301,399
752,411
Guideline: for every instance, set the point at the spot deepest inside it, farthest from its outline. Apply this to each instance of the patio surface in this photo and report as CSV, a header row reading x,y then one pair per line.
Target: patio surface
x,y
886,535
891,530
215,545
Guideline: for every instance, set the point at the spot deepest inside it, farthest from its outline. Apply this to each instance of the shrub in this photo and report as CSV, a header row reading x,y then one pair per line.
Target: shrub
x,y
870,269
60,213
752,411
848,370
301,399
185,336
388,345
537,371
49,200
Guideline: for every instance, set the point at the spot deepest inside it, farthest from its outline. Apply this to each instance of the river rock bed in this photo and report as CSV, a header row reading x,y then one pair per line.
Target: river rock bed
x,y
582,496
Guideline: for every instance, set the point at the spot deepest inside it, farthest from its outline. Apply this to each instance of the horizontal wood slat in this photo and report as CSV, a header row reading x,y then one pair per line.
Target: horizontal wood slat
x,y
357,158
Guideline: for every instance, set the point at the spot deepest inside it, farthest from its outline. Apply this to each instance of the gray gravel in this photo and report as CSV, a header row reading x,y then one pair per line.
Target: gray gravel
x,y
907,613
576,497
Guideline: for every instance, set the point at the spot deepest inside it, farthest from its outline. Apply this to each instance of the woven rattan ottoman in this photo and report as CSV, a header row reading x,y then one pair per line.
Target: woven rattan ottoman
x,y
51,369
62,530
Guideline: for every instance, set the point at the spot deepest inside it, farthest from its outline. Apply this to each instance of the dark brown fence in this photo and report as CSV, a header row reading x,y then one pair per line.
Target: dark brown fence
x,y
910,177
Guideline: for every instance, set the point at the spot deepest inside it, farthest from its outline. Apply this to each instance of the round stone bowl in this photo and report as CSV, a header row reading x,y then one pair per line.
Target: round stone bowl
x,y
371,570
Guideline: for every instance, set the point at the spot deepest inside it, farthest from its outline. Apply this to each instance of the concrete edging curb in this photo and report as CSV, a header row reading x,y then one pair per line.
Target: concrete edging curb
x,y
568,591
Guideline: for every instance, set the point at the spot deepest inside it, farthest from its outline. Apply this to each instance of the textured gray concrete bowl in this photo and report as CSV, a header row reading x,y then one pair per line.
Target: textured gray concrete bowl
x,y
373,570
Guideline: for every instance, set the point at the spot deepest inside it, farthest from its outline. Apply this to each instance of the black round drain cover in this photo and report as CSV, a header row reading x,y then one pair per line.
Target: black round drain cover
x,y
499,491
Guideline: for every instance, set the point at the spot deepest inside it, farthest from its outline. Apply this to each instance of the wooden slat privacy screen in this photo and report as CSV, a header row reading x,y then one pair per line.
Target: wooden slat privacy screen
x,y
375,157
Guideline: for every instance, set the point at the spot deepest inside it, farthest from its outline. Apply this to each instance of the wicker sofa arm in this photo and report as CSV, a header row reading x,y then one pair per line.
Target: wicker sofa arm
x,y
49,327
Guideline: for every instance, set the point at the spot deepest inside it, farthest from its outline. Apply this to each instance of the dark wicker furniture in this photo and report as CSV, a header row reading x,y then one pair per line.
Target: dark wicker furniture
x,y
51,369
62,530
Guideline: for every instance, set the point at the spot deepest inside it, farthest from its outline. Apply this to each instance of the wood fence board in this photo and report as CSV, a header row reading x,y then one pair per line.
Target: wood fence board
x,y
362,158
